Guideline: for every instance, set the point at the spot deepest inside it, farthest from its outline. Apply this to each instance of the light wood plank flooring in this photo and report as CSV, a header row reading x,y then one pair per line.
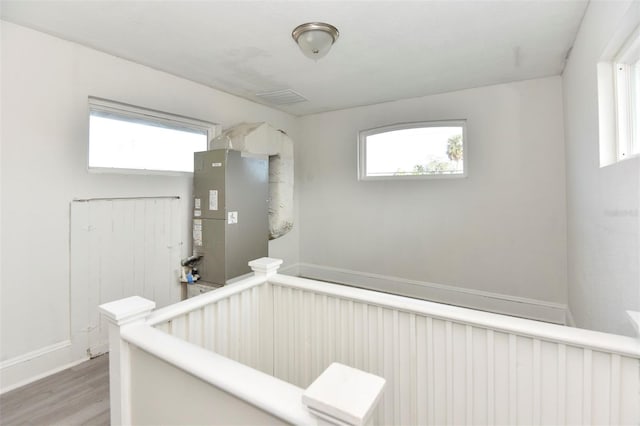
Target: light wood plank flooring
x,y
76,396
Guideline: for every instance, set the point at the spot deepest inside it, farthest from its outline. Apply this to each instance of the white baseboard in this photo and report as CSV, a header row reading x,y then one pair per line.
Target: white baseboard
x,y
293,270
470,298
35,365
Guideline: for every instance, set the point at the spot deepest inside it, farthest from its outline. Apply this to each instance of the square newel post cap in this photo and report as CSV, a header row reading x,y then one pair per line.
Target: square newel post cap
x,y
126,310
344,395
265,266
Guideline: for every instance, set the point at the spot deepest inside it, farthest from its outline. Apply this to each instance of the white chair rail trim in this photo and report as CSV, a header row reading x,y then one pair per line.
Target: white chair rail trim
x,y
621,345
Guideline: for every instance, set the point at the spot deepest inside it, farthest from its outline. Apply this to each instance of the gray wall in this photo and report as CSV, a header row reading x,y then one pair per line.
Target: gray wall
x,y
602,203
500,230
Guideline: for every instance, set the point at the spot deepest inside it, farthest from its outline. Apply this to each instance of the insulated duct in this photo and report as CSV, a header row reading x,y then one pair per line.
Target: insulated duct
x,y
261,138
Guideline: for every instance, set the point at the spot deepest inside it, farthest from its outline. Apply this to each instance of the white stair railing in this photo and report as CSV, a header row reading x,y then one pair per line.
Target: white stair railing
x,y
442,364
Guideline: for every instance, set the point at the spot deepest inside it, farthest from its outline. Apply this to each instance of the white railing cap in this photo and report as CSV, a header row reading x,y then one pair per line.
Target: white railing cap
x,y
344,393
265,265
127,309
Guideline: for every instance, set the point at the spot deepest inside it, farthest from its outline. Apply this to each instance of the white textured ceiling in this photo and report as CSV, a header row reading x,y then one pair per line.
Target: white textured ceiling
x,y
387,50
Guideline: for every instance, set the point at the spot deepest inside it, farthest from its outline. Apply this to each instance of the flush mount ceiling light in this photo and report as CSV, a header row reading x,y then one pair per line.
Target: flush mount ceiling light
x,y
315,38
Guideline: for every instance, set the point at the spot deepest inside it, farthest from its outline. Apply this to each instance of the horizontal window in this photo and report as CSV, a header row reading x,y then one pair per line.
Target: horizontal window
x,y
413,151
123,137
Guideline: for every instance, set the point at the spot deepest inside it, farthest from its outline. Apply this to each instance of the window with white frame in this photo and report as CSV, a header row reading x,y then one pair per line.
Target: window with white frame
x,y
618,72
430,149
627,96
127,138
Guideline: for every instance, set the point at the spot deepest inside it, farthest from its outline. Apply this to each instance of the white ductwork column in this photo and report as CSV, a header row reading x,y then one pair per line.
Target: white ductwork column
x,y
261,138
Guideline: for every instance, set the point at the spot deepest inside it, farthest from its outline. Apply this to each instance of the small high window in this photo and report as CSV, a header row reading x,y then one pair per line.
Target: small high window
x,y
127,138
435,149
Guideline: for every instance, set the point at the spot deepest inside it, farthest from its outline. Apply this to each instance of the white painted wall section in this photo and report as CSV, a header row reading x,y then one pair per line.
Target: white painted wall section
x,y
45,85
603,204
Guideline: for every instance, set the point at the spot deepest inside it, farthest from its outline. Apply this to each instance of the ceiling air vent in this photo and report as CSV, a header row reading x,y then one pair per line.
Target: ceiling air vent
x,y
282,97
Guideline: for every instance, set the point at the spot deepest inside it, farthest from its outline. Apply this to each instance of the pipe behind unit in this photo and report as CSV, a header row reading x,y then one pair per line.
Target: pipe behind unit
x,y
263,139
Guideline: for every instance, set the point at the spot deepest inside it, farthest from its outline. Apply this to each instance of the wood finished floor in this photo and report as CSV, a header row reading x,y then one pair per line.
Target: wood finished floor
x,y
76,396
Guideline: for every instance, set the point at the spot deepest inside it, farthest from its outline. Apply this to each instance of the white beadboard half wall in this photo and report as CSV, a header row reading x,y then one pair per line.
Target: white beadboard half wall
x,y
470,298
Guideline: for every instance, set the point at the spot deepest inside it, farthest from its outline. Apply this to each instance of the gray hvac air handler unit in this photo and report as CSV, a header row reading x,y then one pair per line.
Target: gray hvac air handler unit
x,y
230,218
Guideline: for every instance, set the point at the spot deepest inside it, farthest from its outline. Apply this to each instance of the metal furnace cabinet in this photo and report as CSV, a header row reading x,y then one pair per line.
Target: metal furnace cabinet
x,y
230,217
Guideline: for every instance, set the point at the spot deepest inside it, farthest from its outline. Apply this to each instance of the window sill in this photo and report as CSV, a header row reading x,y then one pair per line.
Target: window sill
x,y
117,171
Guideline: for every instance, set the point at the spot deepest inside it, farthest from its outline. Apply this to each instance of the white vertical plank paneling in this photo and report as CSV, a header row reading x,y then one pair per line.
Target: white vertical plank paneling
x,y
175,252
179,327
244,328
388,364
431,398
448,361
277,330
513,379
439,372
536,373
376,351
586,387
351,333
479,380
629,391
614,393
562,381
209,326
298,338
293,324
223,328
491,396
234,325
422,377
524,380
309,358
324,358
395,366
80,271
574,384
458,392
469,419
195,322
600,388
501,380
121,248
402,356
548,383
103,285
139,246
413,370
267,328
148,261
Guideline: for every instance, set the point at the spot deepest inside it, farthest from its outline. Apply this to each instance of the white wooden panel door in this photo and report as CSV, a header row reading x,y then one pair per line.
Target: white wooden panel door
x,y
121,248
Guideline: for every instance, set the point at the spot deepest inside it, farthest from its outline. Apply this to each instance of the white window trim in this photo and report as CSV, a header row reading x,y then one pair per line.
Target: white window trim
x,y
146,115
614,120
627,140
362,149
